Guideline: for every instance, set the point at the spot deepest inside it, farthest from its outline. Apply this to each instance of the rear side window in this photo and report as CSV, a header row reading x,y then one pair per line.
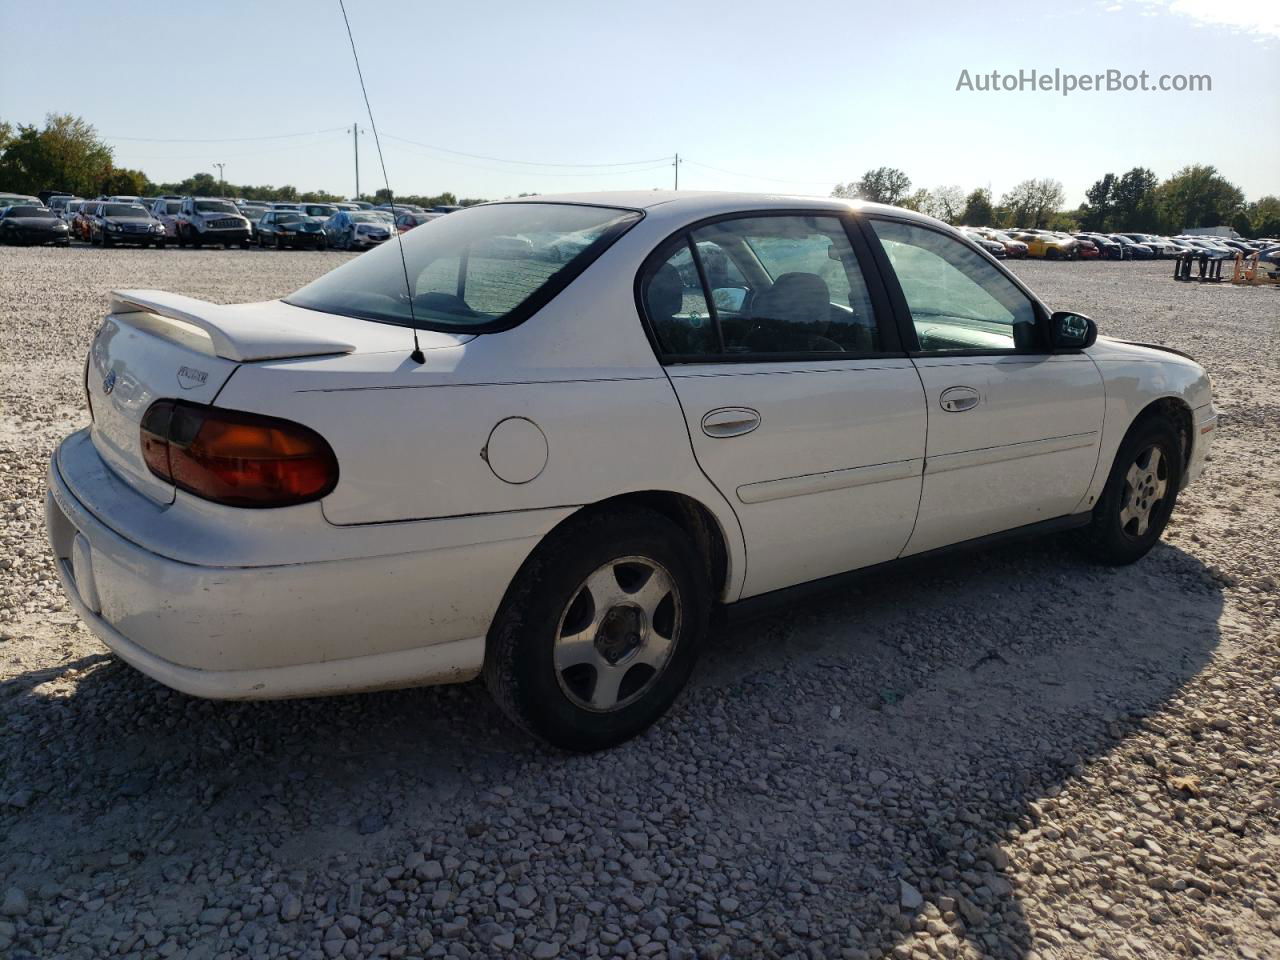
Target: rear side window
x,y
752,288
484,268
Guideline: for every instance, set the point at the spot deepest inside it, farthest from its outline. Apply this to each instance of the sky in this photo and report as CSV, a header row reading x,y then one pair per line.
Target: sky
x,y
490,98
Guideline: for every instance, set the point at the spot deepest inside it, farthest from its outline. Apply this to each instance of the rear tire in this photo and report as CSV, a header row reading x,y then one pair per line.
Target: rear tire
x,y
599,631
1141,492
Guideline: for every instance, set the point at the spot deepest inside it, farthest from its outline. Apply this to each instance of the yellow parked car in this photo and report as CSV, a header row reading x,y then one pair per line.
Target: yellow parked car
x,y
1050,246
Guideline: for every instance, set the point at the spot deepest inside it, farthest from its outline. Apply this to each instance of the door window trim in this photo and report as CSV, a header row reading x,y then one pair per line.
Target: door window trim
x,y
887,322
902,312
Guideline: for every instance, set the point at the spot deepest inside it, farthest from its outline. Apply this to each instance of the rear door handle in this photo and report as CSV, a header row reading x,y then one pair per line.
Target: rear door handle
x,y
730,422
958,399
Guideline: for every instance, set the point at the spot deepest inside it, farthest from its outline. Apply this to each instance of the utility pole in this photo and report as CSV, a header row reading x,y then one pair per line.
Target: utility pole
x,y
222,181
355,143
677,166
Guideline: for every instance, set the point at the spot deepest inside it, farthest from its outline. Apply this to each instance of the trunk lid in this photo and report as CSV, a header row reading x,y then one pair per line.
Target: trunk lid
x,y
156,345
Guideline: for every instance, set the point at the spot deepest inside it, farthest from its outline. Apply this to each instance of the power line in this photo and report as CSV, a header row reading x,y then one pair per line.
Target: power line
x,y
252,153
527,163
660,165
275,136
750,176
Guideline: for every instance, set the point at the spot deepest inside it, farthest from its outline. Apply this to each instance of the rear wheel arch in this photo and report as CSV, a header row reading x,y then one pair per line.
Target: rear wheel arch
x,y
690,515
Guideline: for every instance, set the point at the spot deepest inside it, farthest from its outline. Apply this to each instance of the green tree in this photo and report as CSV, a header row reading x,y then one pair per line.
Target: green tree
x,y
881,185
945,203
1032,202
1264,217
919,200
978,211
1096,212
1198,196
1133,201
65,154
119,181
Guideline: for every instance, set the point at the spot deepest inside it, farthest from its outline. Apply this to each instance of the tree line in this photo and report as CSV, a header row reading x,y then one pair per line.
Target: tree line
x,y
67,154
1137,201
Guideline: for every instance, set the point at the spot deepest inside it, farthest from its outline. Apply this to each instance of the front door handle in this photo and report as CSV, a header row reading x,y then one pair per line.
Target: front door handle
x,y
730,422
958,399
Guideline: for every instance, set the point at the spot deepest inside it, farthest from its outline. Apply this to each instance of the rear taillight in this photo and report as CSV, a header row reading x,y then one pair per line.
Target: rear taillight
x,y
237,458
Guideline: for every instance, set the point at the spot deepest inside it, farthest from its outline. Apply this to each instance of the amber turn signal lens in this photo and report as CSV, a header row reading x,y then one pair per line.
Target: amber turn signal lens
x,y
237,458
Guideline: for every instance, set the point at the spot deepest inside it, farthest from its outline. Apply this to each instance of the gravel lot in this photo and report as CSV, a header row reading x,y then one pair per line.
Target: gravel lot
x,y
1013,755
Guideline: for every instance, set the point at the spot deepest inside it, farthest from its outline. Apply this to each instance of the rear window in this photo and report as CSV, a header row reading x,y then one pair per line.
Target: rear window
x,y
483,268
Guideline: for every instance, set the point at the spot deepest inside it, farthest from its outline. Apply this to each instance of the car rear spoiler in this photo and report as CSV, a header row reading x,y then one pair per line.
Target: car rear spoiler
x,y
241,332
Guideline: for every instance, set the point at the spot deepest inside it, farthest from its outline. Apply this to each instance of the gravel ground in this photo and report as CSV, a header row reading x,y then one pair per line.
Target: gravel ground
x,y
1013,755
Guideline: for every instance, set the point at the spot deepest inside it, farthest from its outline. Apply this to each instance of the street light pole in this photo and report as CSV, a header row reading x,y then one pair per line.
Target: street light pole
x,y
222,181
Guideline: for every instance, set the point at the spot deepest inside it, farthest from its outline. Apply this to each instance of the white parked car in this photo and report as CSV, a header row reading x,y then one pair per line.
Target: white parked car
x,y
202,220
717,399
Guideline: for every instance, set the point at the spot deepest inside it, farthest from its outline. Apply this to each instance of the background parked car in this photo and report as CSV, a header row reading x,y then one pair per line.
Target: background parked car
x,y
58,204
407,221
288,229
1048,246
82,223
253,212
993,247
1014,249
166,210
359,230
1088,249
322,210
1160,247
116,223
1132,249
204,220
1108,249
32,224
10,199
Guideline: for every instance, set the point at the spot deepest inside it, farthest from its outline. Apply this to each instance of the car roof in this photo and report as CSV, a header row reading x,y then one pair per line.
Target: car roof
x,y
688,205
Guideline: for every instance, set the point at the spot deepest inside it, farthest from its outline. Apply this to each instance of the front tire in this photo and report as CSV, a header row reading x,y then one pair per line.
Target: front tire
x,y
1140,494
599,631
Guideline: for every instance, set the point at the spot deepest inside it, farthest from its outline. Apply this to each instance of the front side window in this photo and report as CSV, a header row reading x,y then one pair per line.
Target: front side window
x,y
486,268
777,285
958,300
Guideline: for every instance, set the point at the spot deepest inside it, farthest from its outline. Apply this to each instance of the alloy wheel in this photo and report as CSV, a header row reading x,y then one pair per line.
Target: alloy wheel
x,y
617,634
1145,484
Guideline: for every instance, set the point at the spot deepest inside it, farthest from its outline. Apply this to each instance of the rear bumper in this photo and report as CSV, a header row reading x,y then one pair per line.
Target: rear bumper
x,y
283,629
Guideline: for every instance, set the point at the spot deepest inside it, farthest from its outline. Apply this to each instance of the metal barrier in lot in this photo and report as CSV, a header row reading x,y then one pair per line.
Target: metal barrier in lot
x,y
1210,267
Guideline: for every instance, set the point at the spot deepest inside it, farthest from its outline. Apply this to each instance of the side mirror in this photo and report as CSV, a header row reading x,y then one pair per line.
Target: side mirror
x,y
1071,331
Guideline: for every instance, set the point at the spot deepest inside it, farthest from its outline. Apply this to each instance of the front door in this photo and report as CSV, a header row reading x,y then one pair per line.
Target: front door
x,y
1014,429
801,406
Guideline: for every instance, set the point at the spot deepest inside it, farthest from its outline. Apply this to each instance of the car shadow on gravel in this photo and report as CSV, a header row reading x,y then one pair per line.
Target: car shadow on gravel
x,y
852,766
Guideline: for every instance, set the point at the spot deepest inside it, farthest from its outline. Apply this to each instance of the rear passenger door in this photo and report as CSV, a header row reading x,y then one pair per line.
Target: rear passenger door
x,y
801,405
1014,429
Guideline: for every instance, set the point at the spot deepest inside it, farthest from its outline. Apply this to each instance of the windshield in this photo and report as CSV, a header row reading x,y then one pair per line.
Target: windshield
x,y
215,206
370,217
473,270
123,210
319,210
38,212
288,217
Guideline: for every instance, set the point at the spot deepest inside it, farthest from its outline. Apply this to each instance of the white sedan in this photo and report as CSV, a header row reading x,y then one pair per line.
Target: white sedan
x,y
486,460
